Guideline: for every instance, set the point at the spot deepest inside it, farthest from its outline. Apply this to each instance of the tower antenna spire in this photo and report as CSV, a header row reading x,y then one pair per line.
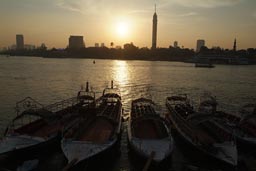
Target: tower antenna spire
x,y
155,8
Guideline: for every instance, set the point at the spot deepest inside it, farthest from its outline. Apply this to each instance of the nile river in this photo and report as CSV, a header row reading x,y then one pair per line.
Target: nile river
x,y
51,80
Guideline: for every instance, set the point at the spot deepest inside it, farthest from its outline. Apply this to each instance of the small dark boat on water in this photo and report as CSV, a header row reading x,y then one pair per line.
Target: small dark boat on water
x,y
199,130
95,135
148,135
204,65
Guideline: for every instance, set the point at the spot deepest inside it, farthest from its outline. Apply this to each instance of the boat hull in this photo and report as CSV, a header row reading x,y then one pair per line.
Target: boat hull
x,y
138,155
36,150
110,152
142,148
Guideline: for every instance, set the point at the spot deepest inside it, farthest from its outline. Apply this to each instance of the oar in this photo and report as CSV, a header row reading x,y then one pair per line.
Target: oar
x,y
70,164
149,161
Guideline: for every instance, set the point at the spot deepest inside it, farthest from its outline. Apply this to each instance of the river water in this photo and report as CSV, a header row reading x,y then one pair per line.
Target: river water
x,y
51,80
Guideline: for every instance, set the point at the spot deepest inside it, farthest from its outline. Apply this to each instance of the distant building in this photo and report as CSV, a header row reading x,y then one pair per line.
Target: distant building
x,y
102,45
175,44
19,42
199,44
29,47
154,30
97,45
76,42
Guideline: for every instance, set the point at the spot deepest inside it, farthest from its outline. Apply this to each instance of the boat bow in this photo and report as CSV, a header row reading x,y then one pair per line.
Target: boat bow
x,y
162,148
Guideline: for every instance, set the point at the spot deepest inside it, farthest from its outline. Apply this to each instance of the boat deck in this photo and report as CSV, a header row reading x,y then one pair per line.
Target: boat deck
x,y
99,131
40,128
110,111
47,130
149,129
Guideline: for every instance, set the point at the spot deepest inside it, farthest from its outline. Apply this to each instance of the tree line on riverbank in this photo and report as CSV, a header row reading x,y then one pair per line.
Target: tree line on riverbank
x,y
131,52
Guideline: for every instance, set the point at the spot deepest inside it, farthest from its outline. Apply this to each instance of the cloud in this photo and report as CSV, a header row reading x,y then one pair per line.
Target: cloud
x,y
70,5
188,14
105,7
207,3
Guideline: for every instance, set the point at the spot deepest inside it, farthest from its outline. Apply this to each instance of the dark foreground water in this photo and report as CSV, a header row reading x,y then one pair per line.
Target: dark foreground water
x,y
51,80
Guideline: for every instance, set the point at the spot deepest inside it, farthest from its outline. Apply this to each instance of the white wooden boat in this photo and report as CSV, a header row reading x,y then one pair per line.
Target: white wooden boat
x,y
147,131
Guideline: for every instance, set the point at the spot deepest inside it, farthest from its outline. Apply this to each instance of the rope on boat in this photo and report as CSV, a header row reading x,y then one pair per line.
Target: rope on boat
x,y
149,161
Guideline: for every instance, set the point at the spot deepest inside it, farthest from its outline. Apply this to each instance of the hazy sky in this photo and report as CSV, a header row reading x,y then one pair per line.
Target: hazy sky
x,y
52,21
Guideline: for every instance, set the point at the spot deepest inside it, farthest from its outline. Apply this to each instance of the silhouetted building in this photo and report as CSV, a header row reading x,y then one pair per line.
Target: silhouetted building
x,y
199,44
29,47
97,45
19,42
102,45
175,44
234,46
154,31
76,42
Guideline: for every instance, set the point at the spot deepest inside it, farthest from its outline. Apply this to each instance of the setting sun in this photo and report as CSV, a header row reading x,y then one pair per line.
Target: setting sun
x,y
122,29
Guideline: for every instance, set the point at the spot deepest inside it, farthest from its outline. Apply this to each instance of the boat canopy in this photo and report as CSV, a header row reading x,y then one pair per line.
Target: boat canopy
x,y
83,95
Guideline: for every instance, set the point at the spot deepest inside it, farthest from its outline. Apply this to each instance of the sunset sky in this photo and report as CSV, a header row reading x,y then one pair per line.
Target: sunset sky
x,y
121,21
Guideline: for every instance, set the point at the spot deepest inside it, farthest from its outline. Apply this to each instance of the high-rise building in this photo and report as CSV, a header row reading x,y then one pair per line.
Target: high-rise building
x,y
76,42
154,31
97,45
102,45
175,44
199,44
234,46
19,42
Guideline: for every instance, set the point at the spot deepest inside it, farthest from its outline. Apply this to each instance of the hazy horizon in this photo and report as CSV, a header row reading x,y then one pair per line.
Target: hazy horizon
x,y
218,22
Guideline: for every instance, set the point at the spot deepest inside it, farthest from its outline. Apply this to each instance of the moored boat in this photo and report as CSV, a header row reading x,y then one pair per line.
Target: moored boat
x,y
242,127
198,130
35,127
148,135
98,135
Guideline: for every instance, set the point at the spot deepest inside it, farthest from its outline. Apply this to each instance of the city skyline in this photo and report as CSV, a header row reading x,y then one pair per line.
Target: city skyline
x,y
52,22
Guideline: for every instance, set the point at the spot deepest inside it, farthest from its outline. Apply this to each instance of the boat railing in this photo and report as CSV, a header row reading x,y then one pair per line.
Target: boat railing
x,y
58,106
27,104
